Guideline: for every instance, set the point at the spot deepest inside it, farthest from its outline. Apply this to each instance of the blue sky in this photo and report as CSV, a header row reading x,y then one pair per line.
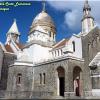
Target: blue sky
x,y
65,14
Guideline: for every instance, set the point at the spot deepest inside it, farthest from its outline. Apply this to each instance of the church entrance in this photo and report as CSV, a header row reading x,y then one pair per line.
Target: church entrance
x,y
77,80
60,81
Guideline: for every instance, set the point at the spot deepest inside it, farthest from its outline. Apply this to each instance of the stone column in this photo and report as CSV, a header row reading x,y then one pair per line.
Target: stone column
x,y
81,83
69,91
87,82
57,83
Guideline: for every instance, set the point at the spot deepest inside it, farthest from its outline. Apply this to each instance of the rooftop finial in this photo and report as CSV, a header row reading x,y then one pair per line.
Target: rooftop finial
x,y
86,6
14,19
86,1
43,3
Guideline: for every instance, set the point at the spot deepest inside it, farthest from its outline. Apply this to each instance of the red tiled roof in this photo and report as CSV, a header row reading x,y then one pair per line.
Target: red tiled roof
x,y
8,48
20,45
61,43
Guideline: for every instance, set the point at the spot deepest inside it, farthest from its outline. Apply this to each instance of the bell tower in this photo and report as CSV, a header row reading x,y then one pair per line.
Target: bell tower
x,y
13,33
87,20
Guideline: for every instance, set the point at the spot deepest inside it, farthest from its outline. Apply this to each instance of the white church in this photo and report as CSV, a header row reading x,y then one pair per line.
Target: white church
x,y
44,68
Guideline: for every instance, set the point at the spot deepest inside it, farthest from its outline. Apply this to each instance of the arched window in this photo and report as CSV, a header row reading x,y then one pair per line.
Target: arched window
x,y
40,78
49,34
43,78
53,36
73,46
19,76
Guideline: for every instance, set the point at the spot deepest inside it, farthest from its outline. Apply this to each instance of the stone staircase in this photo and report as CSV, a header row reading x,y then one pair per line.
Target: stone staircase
x,y
53,97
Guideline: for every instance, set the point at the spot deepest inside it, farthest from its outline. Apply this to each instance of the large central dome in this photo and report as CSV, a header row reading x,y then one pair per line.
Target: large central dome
x,y
43,20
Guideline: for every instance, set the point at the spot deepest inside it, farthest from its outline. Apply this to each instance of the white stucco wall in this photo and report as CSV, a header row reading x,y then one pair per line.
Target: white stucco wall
x,y
38,53
87,25
39,34
78,46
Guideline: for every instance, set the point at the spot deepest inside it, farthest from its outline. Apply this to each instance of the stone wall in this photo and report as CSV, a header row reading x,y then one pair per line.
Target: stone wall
x,y
7,60
24,88
50,70
91,44
90,47
1,60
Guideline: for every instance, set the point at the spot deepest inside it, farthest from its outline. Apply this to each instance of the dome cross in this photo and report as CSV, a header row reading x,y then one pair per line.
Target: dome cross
x,y
43,3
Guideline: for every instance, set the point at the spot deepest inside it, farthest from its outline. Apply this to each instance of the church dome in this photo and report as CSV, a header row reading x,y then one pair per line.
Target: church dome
x,y
45,21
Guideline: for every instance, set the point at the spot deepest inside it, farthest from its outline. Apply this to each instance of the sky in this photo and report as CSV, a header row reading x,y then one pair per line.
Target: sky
x,y
66,14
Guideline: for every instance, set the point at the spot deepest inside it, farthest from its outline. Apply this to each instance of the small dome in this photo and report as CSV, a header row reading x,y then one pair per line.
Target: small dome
x,y
43,20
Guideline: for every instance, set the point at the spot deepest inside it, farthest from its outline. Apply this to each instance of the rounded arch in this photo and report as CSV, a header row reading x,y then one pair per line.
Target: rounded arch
x,y
77,78
60,67
61,71
76,72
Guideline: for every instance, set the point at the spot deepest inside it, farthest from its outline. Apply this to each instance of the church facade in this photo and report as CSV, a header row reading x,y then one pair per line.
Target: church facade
x,y
44,68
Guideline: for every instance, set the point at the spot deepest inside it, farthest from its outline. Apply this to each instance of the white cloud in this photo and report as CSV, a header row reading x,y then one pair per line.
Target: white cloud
x,y
73,17
65,4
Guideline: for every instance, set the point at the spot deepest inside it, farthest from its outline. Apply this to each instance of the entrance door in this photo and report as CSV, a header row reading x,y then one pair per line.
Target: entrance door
x,y
77,90
60,81
76,79
61,87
